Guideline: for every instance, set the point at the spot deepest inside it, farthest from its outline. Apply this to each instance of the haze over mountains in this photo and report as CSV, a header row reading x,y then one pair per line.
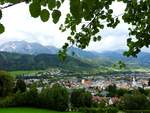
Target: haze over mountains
x,y
24,47
28,54
27,48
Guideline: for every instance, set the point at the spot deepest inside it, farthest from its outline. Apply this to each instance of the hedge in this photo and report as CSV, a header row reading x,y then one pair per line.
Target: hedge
x,y
137,111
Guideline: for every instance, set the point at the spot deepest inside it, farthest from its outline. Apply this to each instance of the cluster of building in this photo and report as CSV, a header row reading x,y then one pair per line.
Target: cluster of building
x,y
97,82
94,84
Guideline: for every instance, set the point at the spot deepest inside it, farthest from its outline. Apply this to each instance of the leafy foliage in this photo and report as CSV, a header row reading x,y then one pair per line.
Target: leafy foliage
x,y
6,84
92,16
134,101
112,89
44,15
51,4
13,61
101,110
35,9
20,86
60,97
137,14
2,29
55,98
81,98
56,15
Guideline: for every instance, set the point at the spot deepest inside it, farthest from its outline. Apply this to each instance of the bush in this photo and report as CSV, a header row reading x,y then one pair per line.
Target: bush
x,y
112,89
45,98
20,99
101,110
32,96
6,84
134,101
81,98
121,92
55,98
28,98
92,110
111,110
60,97
6,102
137,111
20,86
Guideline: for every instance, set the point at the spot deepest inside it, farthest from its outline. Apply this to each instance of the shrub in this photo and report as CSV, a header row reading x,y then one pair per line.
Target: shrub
x,y
28,98
137,111
55,98
112,89
134,101
92,110
20,86
101,110
111,110
45,98
32,96
7,101
81,98
60,97
20,99
6,84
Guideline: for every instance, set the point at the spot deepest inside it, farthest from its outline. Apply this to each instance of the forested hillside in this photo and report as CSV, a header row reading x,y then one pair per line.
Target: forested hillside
x,y
14,61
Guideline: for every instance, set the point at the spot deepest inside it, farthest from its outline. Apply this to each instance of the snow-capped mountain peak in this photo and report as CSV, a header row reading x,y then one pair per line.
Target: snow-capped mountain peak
x,y
27,48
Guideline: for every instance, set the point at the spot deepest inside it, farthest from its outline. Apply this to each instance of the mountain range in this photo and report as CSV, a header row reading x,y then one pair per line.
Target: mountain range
x,y
24,47
19,55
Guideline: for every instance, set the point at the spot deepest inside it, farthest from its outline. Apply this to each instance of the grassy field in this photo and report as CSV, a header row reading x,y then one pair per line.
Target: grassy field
x,y
28,110
15,73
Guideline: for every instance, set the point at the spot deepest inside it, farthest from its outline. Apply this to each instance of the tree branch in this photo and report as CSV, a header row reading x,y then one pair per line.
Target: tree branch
x,y
6,6
9,5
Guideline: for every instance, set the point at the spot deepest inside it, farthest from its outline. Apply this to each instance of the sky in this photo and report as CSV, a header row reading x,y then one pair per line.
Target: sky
x,y
19,25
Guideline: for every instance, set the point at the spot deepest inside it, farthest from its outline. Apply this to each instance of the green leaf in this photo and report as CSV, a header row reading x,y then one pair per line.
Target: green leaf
x,y
51,4
0,14
35,9
36,1
43,3
103,17
13,1
101,26
75,9
58,3
62,1
99,38
2,28
45,15
56,15
62,54
110,11
94,39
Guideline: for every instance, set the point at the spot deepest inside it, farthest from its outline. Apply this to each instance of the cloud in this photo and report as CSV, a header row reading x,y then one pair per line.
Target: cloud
x,y
21,26
118,8
112,39
109,43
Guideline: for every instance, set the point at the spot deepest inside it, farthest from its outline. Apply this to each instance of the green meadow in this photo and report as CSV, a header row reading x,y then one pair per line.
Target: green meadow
x,y
29,110
15,73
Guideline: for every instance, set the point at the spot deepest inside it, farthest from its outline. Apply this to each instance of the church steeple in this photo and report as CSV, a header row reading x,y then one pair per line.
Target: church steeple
x,y
134,84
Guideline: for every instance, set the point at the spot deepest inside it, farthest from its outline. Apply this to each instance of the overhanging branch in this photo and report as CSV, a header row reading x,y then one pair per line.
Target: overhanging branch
x,y
9,5
6,6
